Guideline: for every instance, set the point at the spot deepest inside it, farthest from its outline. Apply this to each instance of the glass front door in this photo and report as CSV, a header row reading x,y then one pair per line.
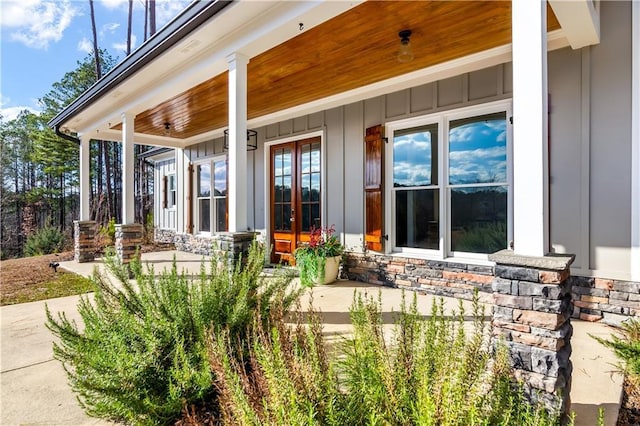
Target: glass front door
x,y
295,196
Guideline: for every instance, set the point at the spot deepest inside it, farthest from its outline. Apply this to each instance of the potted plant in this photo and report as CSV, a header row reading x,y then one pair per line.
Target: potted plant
x,y
319,260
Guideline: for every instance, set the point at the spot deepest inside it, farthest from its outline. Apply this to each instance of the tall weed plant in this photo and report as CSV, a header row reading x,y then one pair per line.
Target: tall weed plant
x,y
428,372
142,354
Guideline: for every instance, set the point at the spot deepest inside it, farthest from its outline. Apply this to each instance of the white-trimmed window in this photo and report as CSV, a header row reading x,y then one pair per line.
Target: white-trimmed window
x,y
211,196
172,194
449,182
169,191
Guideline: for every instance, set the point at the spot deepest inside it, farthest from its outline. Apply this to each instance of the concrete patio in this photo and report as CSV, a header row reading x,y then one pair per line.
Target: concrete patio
x,y
34,390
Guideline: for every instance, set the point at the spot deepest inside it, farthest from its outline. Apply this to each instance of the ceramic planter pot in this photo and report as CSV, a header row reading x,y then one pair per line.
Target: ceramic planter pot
x,y
331,267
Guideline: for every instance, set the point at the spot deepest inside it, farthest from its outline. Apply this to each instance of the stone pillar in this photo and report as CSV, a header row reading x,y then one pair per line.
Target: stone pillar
x,y
128,241
84,232
233,246
531,314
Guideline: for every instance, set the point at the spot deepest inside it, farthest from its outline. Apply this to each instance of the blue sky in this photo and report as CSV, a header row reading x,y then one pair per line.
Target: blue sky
x,y
41,40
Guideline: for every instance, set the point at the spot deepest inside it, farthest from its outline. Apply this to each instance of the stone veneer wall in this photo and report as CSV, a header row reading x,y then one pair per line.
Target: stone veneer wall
x,y
164,236
224,245
84,232
612,301
430,276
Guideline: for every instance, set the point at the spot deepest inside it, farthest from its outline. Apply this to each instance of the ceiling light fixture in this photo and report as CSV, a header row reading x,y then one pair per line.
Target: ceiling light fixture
x,y
167,128
405,54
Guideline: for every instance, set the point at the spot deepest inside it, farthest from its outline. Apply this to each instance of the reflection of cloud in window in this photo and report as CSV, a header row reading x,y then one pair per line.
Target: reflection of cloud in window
x,y
496,151
412,159
480,165
220,177
478,152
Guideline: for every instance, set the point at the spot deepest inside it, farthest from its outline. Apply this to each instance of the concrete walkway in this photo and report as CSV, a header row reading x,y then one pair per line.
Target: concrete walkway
x,y
33,387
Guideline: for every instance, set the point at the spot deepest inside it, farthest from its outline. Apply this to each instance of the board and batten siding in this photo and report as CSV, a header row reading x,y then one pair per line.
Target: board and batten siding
x,y
164,218
590,149
343,140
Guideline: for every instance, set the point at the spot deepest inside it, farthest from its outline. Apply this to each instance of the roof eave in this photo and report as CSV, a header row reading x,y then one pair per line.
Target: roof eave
x,y
196,14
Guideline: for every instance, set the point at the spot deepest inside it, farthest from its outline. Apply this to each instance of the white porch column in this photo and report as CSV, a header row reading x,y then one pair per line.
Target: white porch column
x,y
635,142
85,179
181,190
128,200
237,142
530,128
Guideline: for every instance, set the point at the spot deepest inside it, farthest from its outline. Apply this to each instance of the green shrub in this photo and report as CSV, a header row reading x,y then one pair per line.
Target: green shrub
x,y
142,355
46,240
626,346
429,373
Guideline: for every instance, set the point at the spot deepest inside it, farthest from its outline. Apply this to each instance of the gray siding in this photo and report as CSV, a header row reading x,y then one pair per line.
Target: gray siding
x,y
164,218
590,149
344,132
610,199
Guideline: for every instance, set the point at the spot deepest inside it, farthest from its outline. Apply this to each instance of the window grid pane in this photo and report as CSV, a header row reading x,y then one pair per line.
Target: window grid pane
x,y
310,186
417,218
479,219
204,180
478,150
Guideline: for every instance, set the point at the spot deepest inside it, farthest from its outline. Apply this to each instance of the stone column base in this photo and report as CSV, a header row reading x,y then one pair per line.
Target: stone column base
x,y
531,315
84,232
128,242
233,247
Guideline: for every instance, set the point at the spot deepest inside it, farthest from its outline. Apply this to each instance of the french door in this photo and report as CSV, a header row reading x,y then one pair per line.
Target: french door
x,y
295,196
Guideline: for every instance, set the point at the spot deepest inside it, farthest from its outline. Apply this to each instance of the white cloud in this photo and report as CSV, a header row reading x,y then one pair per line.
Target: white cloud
x,y
113,4
11,113
123,46
8,113
85,45
111,27
36,23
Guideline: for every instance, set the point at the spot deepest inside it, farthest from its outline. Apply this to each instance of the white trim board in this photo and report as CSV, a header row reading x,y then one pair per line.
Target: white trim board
x,y
635,141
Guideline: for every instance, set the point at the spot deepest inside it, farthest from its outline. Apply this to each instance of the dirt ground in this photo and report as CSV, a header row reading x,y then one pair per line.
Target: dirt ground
x,y
31,278
29,273
630,410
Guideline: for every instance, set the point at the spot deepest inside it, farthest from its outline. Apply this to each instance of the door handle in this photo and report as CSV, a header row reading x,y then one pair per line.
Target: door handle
x,y
292,218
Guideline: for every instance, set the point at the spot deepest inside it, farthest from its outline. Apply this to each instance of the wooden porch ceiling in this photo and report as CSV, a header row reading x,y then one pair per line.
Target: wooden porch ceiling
x,y
352,50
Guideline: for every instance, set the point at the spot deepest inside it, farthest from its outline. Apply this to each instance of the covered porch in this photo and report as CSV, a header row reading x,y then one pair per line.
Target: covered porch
x,y
243,66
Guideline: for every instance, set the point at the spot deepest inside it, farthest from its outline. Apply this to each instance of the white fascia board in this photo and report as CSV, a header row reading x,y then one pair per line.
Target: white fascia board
x,y
246,27
580,21
139,138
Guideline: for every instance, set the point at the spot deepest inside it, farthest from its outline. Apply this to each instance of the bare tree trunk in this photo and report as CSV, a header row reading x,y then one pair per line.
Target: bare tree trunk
x,y
146,18
130,18
96,52
152,17
107,169
61,202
